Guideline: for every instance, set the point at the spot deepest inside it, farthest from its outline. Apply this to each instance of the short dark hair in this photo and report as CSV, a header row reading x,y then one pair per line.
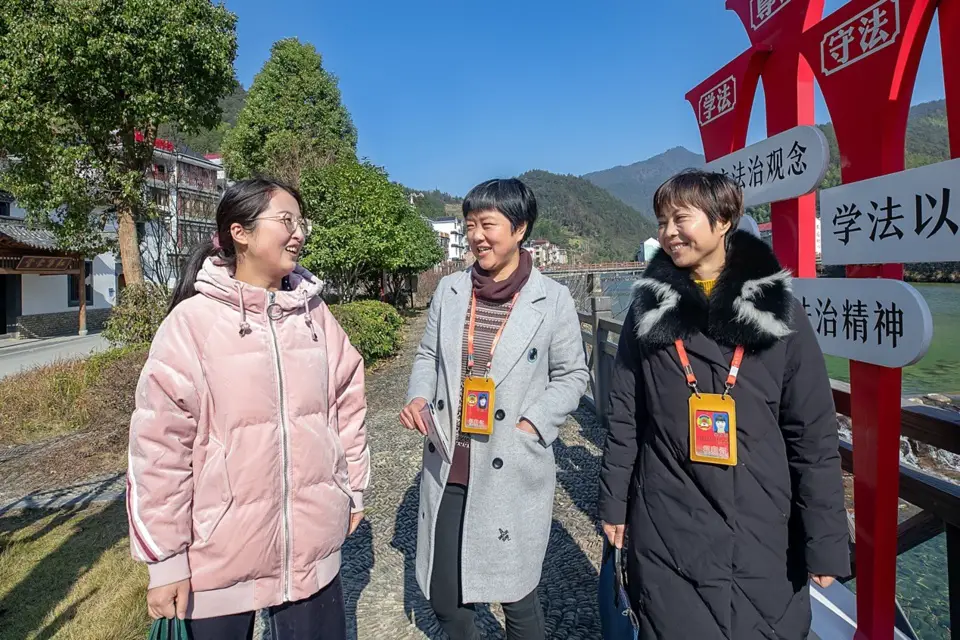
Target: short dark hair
x,y
715,194
509,196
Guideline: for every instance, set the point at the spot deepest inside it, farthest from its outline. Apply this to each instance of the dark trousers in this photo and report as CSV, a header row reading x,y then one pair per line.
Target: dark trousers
x,y
322,616
524,618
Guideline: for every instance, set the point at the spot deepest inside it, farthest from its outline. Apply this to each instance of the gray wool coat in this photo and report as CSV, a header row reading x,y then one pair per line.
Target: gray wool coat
x,y
540,374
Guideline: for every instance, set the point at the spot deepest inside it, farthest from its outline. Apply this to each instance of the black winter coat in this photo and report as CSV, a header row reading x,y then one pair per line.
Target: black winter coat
x,y
721,552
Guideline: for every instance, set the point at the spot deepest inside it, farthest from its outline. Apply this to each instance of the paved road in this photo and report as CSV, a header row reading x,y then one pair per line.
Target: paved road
x,y
16,355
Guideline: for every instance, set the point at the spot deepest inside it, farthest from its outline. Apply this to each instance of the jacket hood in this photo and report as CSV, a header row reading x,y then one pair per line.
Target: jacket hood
x,y
751,303
216,281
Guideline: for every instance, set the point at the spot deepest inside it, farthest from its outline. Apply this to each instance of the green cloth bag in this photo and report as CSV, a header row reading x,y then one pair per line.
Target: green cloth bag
x,y
165,629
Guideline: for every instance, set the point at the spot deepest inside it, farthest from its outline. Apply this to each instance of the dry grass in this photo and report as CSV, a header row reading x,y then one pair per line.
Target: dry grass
x,y
69,396
68,574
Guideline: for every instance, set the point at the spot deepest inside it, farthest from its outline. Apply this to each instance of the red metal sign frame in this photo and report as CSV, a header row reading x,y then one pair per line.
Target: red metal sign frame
x,y
866,69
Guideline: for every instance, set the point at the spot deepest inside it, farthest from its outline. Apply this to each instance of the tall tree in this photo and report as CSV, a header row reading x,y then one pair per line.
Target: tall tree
x,y
85,85
292,120
363,226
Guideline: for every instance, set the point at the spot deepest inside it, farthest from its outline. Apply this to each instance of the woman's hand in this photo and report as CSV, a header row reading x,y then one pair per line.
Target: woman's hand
x,y
525,425
169,601
410,416
355,520
823,581
614,533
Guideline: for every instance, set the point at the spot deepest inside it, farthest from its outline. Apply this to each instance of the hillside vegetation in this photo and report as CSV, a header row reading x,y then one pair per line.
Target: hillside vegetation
x,y
577,214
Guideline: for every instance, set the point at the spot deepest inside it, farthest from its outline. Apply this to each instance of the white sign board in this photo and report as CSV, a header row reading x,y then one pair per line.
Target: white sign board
x,y
884,322
901,217
783,166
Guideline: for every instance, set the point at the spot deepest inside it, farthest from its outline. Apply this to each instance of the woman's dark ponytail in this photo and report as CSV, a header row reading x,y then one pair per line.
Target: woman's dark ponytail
x,y
188,273
241,204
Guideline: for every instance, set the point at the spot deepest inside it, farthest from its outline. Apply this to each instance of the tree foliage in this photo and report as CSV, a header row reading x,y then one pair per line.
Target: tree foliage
x,y
86,84
363,227
208,140
292,120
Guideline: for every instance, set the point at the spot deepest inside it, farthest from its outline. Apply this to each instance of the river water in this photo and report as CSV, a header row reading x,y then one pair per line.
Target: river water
x,y
921,573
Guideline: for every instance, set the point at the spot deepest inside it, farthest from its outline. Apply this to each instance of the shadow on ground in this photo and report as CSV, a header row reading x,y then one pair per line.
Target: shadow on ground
x,y
355,570
25,606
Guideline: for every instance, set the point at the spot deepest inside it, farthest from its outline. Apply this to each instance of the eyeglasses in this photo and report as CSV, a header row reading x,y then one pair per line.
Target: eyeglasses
x,y
292,224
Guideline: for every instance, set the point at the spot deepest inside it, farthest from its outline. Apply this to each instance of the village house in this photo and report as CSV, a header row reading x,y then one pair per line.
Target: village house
x,y
41,294
456,241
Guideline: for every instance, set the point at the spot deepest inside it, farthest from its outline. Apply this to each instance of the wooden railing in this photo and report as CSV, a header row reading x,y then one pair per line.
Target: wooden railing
x,y
937,499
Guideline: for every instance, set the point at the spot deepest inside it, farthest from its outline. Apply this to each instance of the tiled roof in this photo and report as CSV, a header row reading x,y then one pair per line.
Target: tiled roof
x,y
19,232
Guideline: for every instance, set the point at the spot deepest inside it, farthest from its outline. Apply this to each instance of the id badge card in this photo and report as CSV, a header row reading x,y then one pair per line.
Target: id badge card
x,y
713,429
477,403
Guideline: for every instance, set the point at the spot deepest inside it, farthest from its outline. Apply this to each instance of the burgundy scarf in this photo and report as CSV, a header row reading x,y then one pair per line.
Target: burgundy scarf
x,y
487,289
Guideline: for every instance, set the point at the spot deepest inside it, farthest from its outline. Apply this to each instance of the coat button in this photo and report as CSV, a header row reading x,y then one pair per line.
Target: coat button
x,y
500,415
532,354
497,463
431,448
440,405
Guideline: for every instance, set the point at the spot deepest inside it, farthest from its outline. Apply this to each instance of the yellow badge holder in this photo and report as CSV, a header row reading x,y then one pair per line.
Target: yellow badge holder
x,y
713,416
479,393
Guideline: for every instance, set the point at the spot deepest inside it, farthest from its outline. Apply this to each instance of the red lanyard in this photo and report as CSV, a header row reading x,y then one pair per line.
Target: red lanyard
x,y
496,338
692,378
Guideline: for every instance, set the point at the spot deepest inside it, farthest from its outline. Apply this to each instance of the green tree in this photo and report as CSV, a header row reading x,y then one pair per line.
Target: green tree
x,y
356,212
414,249
364,228
85,86
292,120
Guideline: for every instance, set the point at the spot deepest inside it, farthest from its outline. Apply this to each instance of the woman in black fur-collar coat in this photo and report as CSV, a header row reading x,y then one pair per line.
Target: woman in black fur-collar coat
x,y
720,551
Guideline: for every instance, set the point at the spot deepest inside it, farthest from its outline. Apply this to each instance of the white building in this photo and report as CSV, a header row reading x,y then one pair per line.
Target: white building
x,y
546,253
40,284
454,228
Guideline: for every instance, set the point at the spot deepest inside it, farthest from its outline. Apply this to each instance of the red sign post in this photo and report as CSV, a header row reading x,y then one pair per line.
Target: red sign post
x,y
865,57
788,91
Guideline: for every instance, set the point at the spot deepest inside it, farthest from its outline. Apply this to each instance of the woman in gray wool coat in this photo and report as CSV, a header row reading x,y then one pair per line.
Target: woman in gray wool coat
x,y
484,518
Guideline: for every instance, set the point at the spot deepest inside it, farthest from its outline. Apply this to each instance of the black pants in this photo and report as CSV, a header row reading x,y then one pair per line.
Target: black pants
x,y
320,617
524,618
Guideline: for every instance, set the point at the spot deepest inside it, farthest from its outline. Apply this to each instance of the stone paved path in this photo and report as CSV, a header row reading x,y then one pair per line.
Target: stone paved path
x,y
383,600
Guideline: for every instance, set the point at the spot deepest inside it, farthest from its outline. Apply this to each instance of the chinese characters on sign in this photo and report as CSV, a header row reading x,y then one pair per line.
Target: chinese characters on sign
x,y
718,101
786,165
53,264
763,10
911,216
862,35
884,322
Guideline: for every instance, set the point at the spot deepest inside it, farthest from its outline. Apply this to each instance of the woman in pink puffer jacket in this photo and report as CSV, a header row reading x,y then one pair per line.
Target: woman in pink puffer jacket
x,y
248,455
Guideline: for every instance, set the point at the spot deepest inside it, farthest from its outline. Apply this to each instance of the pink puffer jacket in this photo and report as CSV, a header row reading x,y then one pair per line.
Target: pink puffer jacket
x,y
247,446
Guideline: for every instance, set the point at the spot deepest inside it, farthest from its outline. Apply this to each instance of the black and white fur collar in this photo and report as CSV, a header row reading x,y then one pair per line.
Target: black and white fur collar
x,y
751,303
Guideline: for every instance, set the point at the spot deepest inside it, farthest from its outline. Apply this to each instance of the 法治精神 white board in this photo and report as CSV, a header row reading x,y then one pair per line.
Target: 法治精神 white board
x,y
883,322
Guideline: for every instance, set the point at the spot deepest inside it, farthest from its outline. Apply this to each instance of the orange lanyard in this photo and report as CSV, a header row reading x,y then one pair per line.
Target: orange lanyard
x,y
496,338
692,378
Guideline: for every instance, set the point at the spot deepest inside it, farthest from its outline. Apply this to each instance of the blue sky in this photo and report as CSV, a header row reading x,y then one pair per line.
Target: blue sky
x,y
448,93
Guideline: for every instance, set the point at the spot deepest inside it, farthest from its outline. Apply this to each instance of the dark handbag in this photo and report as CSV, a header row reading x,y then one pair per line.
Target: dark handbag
x,y
165,629
617,620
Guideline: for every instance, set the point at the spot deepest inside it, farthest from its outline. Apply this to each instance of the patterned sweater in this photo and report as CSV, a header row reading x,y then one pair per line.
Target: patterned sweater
x,y
490,316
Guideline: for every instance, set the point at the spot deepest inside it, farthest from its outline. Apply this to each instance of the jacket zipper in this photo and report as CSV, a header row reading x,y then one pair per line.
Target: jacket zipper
x,y
284,491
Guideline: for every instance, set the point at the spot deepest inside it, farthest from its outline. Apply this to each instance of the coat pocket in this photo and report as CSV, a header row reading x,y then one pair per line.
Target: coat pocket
x,y
212,495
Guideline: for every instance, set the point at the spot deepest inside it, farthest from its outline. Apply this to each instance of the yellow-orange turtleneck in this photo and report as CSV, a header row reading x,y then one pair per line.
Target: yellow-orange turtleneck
x,y
706,286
